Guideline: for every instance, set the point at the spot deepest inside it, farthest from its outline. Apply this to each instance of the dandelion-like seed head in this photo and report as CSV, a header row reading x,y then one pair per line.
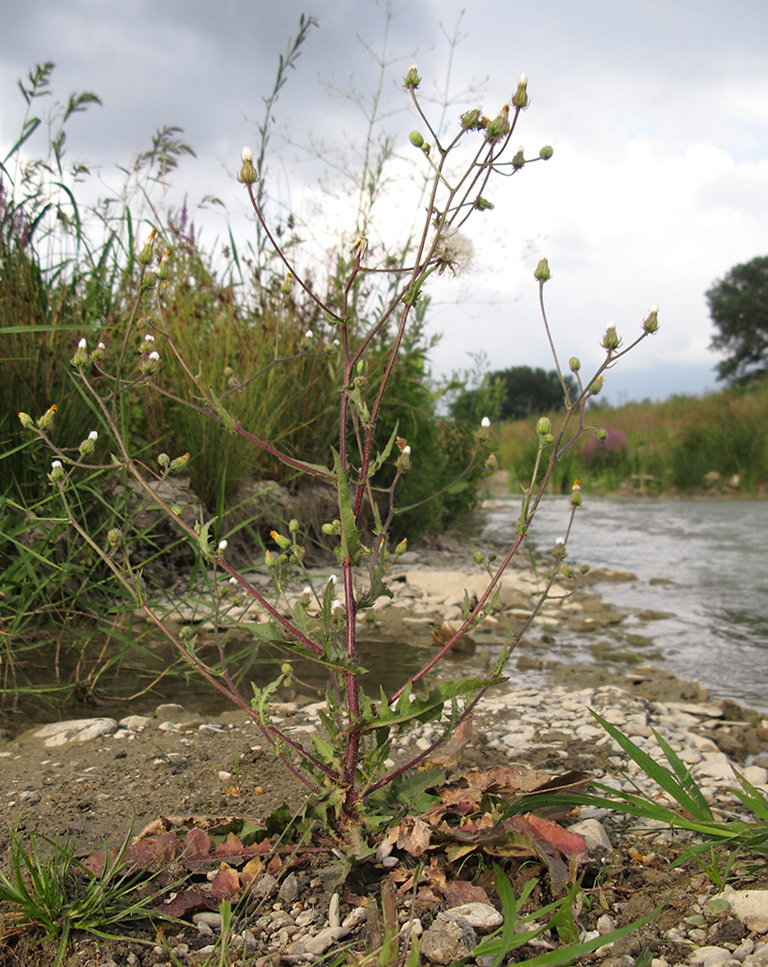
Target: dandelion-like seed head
x,y
454,251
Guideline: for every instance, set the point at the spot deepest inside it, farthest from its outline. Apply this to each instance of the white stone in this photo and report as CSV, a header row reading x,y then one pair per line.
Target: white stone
x,y
77,730
749,906
709,956
318,944
481,916
593,834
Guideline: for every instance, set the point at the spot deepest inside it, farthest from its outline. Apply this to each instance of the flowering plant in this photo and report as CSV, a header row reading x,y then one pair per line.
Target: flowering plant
x,y
350,764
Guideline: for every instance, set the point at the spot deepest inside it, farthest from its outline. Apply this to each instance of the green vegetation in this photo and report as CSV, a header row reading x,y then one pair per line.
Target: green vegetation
x,y
686,445
738,305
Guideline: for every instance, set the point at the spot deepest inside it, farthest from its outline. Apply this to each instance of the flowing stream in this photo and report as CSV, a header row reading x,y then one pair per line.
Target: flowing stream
x,y
702,561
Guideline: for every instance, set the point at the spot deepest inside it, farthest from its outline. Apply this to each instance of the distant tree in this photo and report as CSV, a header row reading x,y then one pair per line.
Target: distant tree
x,y
738,305
518,392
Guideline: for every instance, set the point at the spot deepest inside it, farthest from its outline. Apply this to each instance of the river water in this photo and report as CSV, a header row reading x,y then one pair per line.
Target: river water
x,y
705,562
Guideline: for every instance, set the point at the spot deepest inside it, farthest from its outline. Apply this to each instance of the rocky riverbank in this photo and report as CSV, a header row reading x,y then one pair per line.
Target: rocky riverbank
x,y
94,781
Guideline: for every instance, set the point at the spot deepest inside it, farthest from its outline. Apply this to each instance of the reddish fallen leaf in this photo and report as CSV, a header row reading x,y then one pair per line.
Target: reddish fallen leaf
x,y
506,779
226,883
459,892
187,902
197,843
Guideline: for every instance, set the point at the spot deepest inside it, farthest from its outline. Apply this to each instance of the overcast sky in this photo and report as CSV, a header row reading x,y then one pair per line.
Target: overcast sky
x,y
657,112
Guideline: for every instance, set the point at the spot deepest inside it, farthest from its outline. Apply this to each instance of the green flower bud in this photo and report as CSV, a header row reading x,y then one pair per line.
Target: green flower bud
x,y
282,542
575,499
546,152
46,420
546,441
114,536
611,340
478,558
483,205
404,460
26,421
88,444
519,159
57,471
416,139
81,356
601,434
595,388
485,429
146,255
472,120
499,126
520,97
332,528
401,547
542,273
651,322
543,426
164,460
293,525
566,571
575,364
491,463
412,79
179,463
248,174
585,568
176,509
162,272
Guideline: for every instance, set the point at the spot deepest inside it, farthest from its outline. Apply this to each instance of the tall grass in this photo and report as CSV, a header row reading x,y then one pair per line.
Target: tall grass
x,y
686,445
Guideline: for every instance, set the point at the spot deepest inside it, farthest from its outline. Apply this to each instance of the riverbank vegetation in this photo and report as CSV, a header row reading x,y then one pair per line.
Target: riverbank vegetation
x,y
687,445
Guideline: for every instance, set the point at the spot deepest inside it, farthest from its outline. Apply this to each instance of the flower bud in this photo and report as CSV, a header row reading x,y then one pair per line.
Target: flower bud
x,y
519,159
499,126
416,139
611,340
478,557
223,545
293,525
601,433
81,356
165,261
412,79
471,120
179,463
248,174
401,547
651,322
546,152
542,273
331,528
57,471
544,426
575,364
575,498
269,560
483,205
113,536
282,542
404,460
595,388
26,421
146,255
164,460
520,97
46,420
88,444
585,568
